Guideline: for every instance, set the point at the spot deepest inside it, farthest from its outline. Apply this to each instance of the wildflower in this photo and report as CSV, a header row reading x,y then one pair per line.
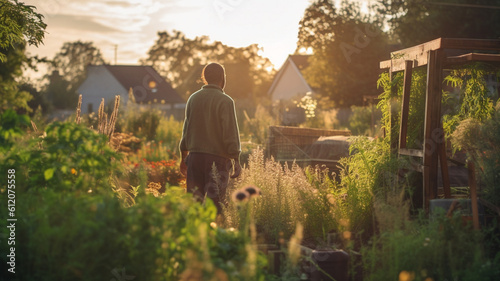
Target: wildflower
x,y
73,171
252,191
406,276
240,196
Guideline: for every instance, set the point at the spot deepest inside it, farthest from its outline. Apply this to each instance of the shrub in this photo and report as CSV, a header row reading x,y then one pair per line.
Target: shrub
x,y
360,120
169,133
440,249
142,122
70,236
256,128
12,127
69,157
480,141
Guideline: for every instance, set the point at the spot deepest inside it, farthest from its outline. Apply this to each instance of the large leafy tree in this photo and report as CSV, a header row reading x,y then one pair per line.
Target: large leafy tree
x,y
178,58
72,60
414,22
20,25
70,63
347,46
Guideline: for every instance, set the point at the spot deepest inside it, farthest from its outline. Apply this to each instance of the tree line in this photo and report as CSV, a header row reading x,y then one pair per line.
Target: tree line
x,y
346,41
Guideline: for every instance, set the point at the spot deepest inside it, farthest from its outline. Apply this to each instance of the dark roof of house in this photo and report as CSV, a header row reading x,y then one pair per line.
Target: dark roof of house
x,y
301,61
147,84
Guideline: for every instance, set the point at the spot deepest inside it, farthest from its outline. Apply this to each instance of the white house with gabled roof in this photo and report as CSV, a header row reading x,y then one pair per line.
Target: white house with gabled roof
x,y
289,83
148,87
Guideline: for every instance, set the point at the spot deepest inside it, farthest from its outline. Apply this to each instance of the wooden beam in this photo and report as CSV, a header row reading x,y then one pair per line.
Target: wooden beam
x,y
431,124
405,104
473,57
411,152
419,53
470,44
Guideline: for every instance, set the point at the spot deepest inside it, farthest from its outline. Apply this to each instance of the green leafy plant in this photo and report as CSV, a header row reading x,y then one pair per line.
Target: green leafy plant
x,y
142,122
480,141
168,134
473,100
439,249
361,120
390,101
69,157
12,127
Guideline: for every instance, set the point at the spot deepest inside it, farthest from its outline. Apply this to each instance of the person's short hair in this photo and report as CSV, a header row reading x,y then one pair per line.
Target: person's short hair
x,y
213,73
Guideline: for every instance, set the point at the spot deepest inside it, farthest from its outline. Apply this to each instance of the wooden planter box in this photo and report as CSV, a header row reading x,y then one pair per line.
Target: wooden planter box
x,y
320,265
317,265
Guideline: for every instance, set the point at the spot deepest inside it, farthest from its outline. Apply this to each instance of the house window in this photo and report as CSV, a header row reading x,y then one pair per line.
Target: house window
x,y
152,86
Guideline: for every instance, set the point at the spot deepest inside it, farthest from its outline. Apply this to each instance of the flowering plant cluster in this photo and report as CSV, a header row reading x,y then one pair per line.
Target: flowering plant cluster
x,y
164,172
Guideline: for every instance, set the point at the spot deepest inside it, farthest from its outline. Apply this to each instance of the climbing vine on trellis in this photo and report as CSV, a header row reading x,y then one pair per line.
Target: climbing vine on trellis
x,y
473,99
470,98
416,112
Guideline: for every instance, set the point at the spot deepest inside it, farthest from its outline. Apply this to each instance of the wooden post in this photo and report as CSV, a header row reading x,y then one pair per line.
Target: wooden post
x,y
431,125
392,131
473,195
444,168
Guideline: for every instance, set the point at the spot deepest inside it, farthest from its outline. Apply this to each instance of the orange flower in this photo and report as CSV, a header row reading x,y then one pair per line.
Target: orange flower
x,y
73,171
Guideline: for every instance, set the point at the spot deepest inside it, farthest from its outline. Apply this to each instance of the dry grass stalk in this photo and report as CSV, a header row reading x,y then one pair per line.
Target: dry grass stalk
x,y
102,119
131,97
112,119
79,110
35,129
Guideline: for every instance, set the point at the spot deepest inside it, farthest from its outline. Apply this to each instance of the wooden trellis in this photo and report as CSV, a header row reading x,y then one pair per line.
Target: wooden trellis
x,y
437,56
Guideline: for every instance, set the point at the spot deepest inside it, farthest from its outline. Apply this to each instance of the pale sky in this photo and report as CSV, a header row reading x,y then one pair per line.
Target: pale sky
x,y
133,24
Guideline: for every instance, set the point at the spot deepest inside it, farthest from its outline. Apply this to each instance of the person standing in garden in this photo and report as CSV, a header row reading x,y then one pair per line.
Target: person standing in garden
x,y
210,139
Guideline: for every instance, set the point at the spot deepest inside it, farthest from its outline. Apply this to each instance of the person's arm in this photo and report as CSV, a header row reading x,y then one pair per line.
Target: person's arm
x,y
236,168
231,136
183,168
183,145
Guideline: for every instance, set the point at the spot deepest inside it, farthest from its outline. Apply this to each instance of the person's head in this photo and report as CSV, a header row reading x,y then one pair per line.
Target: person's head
x,y
214,73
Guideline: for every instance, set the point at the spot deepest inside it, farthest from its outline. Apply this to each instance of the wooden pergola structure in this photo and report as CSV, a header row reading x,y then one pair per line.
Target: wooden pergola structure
x,y
436,55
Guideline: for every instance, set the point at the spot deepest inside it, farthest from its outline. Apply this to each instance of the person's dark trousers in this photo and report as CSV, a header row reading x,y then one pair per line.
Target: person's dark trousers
x,y
201,181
